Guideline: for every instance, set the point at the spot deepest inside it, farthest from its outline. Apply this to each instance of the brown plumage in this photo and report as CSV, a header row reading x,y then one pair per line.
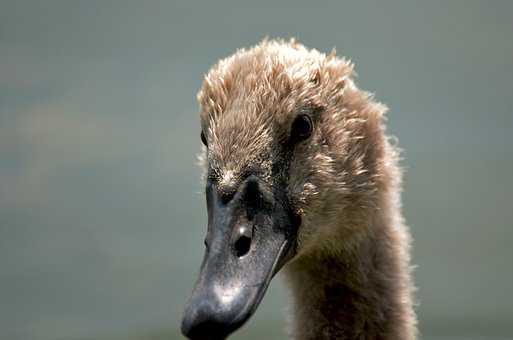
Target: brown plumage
x,y
350,276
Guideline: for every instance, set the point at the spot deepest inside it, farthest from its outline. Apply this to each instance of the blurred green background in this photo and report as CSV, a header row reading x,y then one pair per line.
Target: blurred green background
x,y
101,212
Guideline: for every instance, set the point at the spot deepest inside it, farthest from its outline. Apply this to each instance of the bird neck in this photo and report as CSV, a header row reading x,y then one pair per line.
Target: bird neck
x,y
361,291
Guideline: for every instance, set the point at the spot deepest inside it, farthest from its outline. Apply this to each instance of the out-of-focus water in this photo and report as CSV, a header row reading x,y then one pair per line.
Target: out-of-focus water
x,y
101,213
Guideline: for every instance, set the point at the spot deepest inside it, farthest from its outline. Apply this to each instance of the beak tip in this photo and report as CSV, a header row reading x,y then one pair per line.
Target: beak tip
x,y
203,321
187,324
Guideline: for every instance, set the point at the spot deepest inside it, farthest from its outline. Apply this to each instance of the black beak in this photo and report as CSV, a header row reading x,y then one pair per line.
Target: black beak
x,y
249,239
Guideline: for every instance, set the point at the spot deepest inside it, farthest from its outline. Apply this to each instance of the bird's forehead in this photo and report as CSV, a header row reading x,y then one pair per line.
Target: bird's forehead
x,y
239,144
246,128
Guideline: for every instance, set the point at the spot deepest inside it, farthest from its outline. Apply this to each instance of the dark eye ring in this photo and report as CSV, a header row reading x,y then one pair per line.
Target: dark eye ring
x,y
204,139
302,128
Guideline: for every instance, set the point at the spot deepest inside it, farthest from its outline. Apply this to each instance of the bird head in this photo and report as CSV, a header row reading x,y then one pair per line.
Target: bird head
x,y
293,163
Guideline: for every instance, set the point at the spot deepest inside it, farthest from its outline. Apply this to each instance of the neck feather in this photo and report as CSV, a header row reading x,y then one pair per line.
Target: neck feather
x,y
358,292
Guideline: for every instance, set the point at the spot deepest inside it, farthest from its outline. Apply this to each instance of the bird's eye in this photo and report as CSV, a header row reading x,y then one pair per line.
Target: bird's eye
x,y
204,139
301,128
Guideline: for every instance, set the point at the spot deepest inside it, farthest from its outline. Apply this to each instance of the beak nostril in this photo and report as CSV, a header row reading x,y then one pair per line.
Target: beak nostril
x,y
242,245
242,242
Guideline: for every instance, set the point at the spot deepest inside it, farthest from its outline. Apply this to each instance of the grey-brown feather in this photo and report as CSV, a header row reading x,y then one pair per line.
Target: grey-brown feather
x,y
351,277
